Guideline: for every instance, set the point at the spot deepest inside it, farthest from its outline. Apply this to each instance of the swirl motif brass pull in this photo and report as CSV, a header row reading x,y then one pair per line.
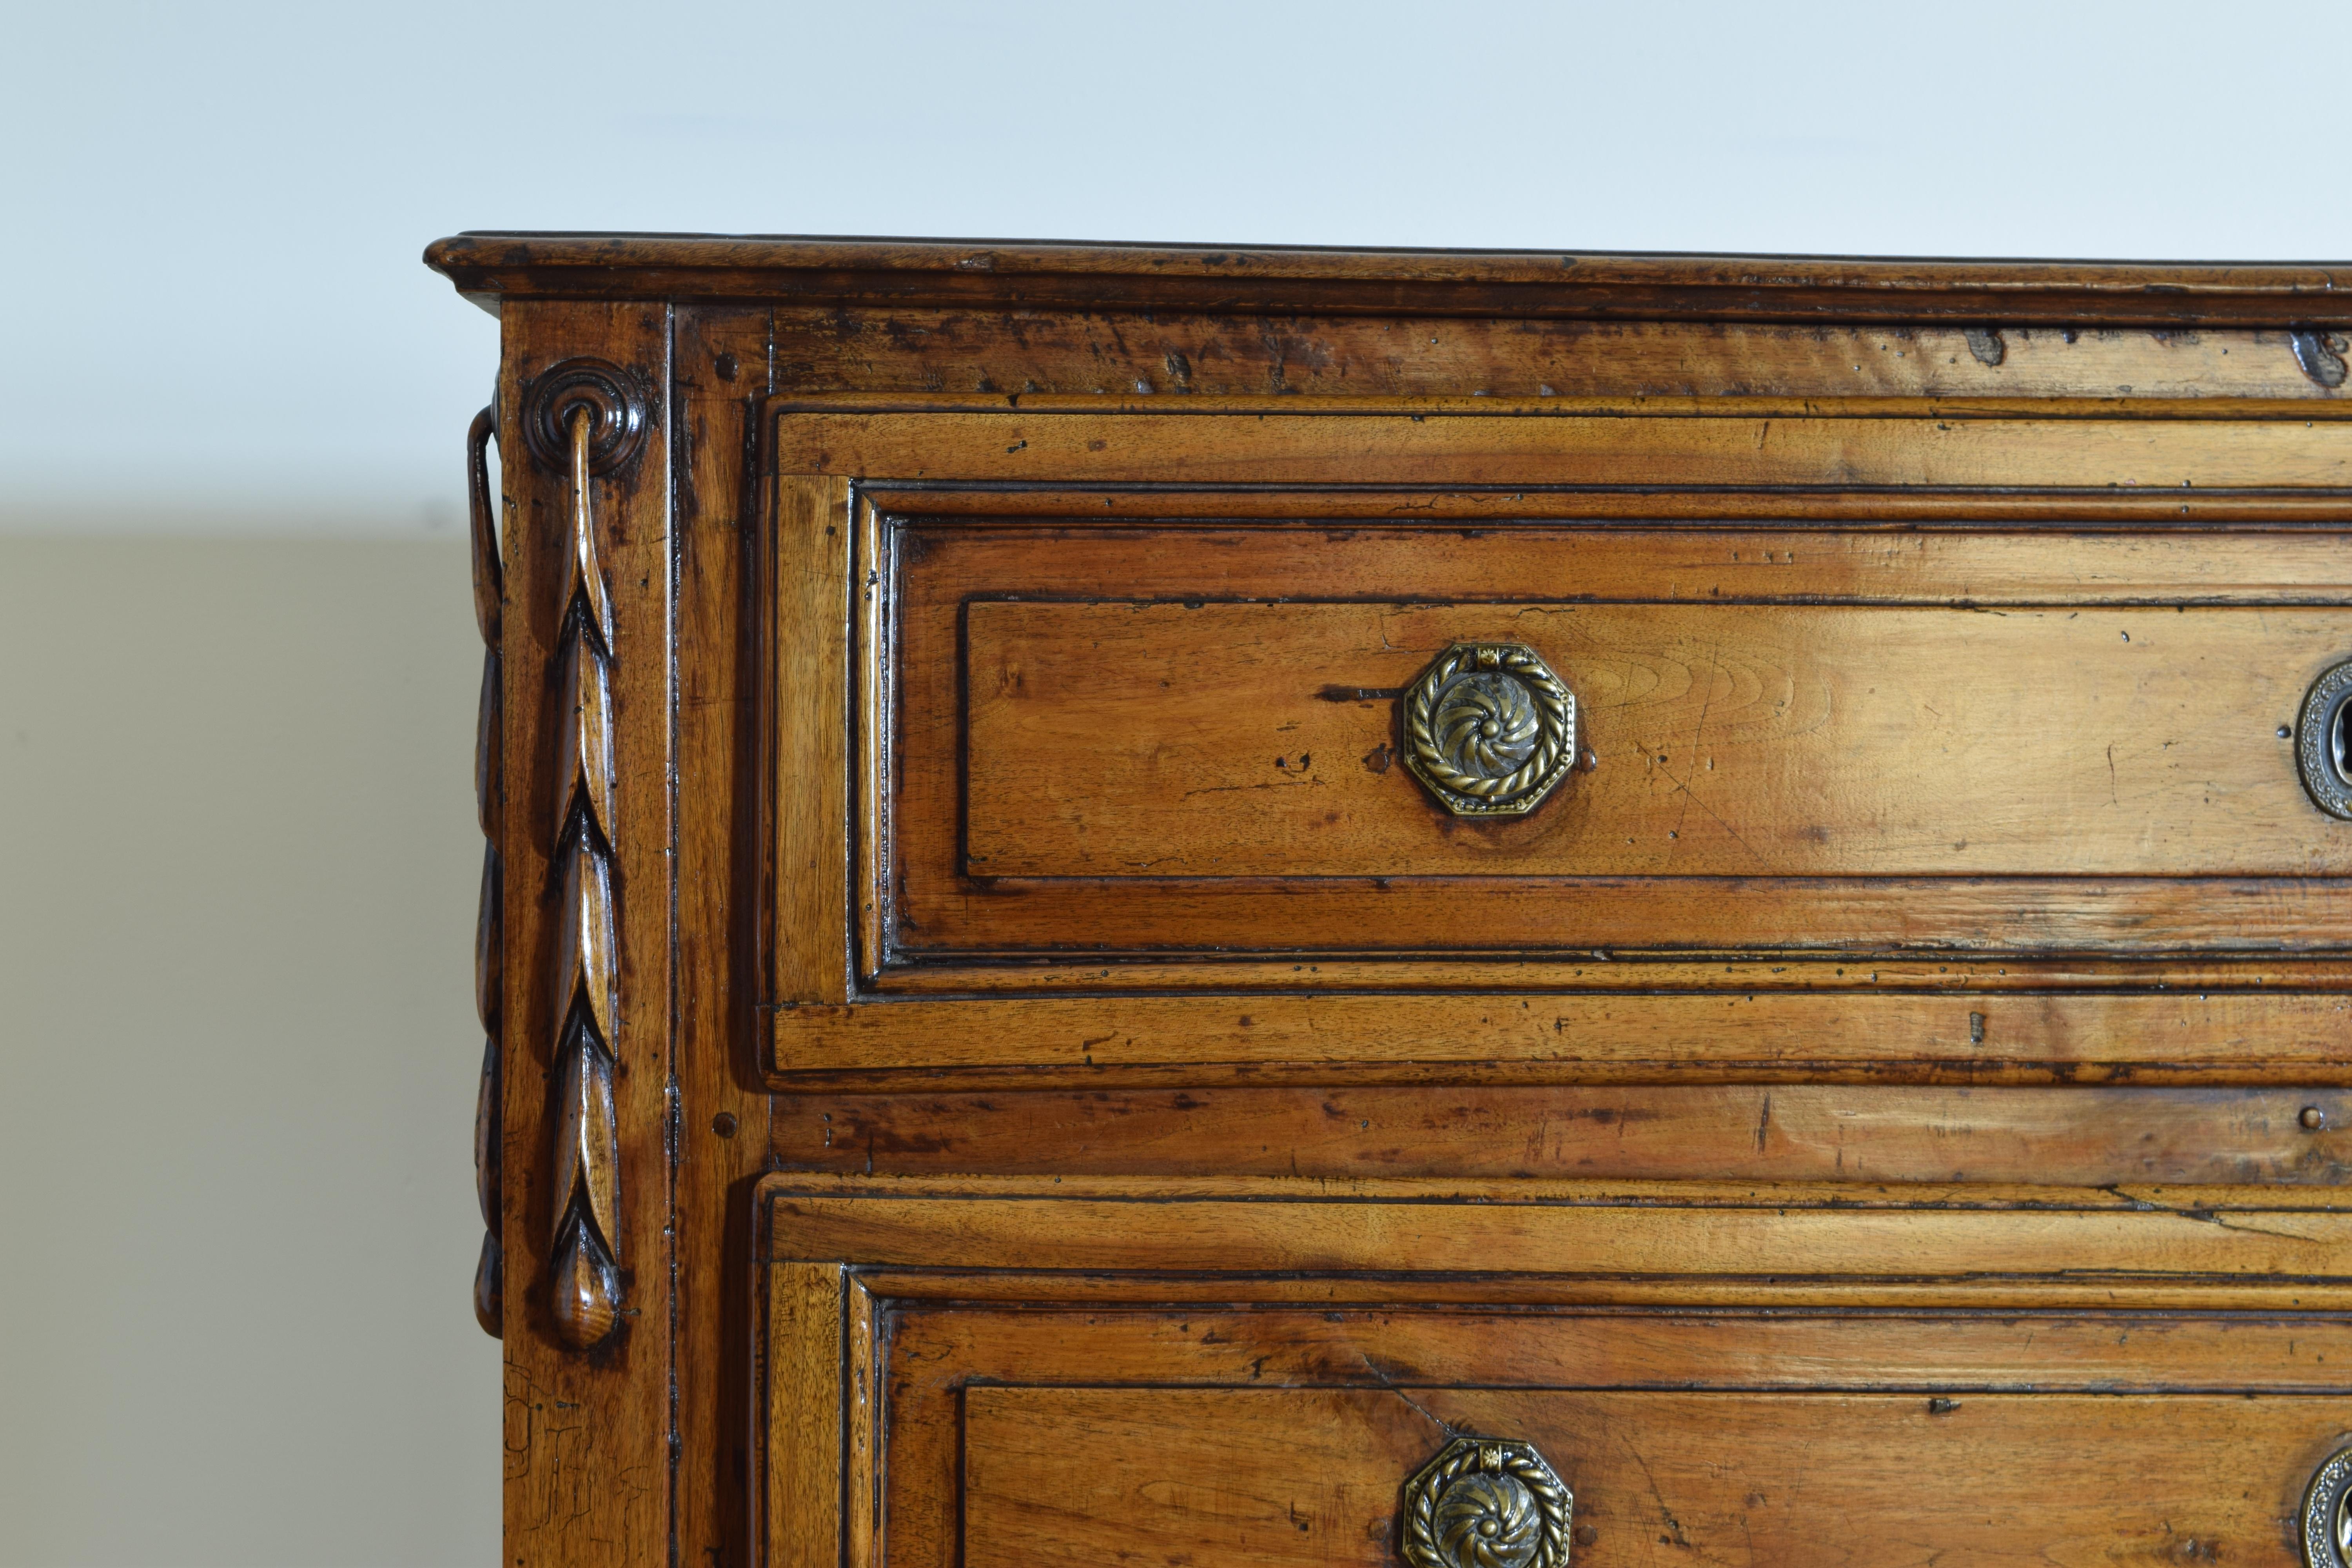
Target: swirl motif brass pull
x,y
1489,728
1486,1502
2328,1514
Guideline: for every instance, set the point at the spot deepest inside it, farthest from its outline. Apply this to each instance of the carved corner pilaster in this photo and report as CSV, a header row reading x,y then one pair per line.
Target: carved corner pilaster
x,y
586,418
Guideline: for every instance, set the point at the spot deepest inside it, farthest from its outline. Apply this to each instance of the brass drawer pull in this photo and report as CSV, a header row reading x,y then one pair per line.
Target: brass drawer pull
x,y
2323,741
1484,1502
1489,728
2328,1514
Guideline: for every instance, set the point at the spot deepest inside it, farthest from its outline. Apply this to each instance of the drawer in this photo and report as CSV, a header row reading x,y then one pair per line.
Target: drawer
x,y
1298,732
1249,1371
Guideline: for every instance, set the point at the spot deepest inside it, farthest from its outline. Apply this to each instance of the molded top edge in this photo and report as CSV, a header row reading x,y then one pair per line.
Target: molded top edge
x,y
1029,274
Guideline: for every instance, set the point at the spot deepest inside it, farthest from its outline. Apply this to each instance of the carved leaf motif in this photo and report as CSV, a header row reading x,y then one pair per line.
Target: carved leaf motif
x,y
487,738
490,1287
584,723
489,963
587,1288
587,1149
489,589
587,1275
489,1142
586,587
586,977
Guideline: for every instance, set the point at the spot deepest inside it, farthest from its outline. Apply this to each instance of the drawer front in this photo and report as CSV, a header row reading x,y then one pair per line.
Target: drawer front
x,y
1125,711
1912,690
1249,1371
1221,755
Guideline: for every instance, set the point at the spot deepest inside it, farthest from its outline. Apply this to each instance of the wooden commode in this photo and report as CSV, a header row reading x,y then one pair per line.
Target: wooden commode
x,y
1204,906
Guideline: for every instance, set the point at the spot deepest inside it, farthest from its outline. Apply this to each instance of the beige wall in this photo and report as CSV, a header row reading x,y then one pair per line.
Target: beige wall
x,y
237,1057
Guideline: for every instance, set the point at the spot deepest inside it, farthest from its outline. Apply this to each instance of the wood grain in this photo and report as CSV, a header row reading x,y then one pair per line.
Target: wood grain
x,y
1328,546
1275,441
1947,973
1570,1038
805,1415
720,358
1850,920
939,1347
811,766
1739,1132
1731,740
1297,1226
1172,353
1313,1477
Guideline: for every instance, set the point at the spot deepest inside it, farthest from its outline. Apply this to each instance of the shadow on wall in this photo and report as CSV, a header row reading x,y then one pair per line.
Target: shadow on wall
x,y
237,867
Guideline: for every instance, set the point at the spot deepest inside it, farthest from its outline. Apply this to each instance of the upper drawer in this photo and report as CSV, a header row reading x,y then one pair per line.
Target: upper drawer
x,y
1094,727
1318,683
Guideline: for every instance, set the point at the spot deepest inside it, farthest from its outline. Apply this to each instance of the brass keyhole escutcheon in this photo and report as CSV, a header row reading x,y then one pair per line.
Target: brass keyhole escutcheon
x,y
2323,742
1489,728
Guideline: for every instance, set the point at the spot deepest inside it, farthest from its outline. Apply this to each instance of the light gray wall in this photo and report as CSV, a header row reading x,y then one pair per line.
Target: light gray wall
x,y
213,212
236,668
237,1057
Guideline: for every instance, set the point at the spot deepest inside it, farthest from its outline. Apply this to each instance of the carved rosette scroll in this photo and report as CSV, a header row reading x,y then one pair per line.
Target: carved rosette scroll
x,y
1489,728
588,417
489,1274
1484,1502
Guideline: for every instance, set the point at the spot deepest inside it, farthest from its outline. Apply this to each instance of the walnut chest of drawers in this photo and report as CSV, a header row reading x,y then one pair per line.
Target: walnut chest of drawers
x,y
1471,910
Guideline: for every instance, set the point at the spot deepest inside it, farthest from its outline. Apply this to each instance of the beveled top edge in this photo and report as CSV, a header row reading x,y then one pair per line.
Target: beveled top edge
x,y
1316,279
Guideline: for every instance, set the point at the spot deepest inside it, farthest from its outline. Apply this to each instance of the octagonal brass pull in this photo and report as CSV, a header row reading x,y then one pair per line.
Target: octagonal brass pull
x,y
1489,728
1486,1502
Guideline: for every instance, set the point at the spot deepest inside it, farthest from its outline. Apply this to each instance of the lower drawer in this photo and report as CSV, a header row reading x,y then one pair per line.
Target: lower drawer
x,y
1251,1371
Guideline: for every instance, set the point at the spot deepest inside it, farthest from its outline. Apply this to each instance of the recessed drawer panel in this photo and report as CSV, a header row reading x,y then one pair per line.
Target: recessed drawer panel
x,y
1222,740
1173,739
1319,1477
